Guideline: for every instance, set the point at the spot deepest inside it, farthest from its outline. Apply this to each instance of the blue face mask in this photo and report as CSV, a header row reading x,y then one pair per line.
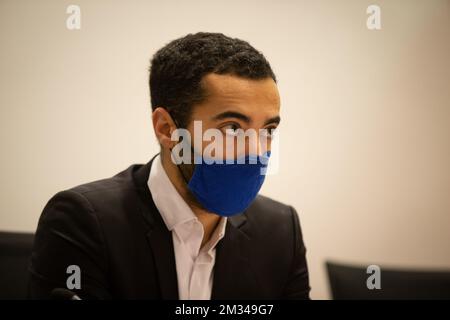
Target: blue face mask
x,y
228,189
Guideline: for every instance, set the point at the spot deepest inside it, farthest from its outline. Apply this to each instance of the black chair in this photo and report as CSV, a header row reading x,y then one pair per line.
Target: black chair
x,y
350,282
15,253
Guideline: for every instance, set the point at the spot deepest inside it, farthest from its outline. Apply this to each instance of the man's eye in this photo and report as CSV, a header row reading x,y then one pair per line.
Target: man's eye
x,y
269,132
231,129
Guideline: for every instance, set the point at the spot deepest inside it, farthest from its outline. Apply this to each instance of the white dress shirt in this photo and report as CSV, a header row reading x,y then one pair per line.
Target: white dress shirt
x,y
194,265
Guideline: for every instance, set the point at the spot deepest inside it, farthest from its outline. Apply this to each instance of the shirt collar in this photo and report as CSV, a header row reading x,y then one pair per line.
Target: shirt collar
x,y
172,207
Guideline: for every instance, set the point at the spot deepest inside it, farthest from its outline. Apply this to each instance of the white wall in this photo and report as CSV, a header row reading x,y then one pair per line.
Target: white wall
x,y
365,135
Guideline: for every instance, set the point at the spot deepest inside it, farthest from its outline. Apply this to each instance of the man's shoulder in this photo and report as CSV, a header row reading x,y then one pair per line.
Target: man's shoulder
x,y
107,193
265,208
267,216
121,180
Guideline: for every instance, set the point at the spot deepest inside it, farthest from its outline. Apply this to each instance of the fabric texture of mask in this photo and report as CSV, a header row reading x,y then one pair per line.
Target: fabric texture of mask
x,y
228,188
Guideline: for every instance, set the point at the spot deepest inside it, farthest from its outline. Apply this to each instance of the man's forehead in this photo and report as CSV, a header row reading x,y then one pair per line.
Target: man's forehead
x,y
234,88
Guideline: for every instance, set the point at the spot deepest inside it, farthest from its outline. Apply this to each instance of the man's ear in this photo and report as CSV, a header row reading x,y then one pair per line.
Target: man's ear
x,y
163,125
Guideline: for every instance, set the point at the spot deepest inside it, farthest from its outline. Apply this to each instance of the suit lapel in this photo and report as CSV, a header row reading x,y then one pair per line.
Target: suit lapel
x,y
160,241
158,236
234,277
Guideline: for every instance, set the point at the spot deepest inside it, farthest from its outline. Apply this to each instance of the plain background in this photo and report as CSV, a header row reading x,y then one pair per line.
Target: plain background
x,y
365,134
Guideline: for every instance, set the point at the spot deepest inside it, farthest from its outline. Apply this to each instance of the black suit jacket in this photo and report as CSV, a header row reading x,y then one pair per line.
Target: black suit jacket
x,y
112,230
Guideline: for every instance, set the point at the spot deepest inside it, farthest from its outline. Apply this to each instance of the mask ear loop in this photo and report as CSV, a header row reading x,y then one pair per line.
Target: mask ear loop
x,y
178,166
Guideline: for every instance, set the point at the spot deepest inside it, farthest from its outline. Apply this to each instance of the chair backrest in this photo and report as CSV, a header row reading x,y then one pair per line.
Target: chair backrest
x,y
350,282
15,253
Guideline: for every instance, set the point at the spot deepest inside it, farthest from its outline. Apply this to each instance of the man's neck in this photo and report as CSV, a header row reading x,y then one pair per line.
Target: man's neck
x,y
208,220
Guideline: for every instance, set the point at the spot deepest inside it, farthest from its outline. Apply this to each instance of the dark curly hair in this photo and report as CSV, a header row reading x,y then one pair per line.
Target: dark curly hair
x,y
177,69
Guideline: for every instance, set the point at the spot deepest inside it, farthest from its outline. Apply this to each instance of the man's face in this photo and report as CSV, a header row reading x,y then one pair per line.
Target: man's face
x,y
234,103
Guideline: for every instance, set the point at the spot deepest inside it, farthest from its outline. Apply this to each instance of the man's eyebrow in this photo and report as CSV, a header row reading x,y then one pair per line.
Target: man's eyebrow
x,y
275,119
232,114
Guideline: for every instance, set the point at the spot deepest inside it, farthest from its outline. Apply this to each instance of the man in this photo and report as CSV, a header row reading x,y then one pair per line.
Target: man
x,y
170,230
